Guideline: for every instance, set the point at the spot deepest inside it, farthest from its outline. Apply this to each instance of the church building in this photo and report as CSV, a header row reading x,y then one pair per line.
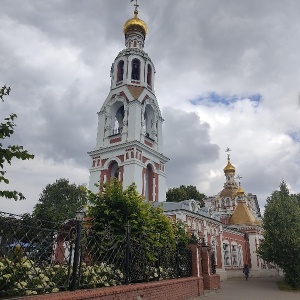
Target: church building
x,y
129,146
230,223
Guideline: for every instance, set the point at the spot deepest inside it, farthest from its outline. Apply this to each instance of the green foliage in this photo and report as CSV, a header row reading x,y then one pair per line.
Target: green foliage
x,y
59,201
281,243
283,286
149,225
184,193
17,254
11,151
24,277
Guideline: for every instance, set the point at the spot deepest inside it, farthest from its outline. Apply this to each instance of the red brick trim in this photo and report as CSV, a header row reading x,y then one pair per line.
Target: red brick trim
x,y
115,140
148,143
175,289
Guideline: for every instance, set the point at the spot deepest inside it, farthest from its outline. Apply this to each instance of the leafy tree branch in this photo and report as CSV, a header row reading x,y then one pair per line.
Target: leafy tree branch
x,y
11,151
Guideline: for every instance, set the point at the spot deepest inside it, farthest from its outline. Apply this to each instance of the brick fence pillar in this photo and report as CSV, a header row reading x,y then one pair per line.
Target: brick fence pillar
x,y
196,260
210,281
206,264
197,266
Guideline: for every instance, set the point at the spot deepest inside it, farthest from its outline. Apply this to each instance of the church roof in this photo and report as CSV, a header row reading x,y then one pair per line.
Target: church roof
x,y
242,215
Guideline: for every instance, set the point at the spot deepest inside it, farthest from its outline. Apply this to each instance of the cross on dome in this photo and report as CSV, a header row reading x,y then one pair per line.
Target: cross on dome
x,y
229,168
136,5
228,153
239,177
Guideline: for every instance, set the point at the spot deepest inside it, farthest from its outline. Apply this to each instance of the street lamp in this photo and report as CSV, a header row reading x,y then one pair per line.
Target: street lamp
x,y
79,215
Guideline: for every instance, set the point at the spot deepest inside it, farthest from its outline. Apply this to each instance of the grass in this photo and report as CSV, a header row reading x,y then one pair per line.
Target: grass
x,y
283,286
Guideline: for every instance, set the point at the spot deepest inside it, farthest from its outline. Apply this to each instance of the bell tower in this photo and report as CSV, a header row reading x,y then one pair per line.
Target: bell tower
x,y
129,144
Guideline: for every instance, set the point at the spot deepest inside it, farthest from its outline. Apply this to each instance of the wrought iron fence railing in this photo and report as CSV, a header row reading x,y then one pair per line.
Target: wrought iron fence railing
x,y
38,257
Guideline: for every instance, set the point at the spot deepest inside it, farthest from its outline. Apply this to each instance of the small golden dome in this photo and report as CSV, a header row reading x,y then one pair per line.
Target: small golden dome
x,y
135,24
229,168
240,192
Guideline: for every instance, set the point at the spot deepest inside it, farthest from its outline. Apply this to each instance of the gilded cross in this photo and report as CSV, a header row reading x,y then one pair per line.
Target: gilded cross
x,y
136,4
239,177
228,150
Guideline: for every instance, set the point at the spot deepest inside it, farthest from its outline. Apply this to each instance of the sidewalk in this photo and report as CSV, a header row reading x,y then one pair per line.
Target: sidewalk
x,y
264,288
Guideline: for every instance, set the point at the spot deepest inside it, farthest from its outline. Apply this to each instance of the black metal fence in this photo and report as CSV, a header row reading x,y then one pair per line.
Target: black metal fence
x,y
38,257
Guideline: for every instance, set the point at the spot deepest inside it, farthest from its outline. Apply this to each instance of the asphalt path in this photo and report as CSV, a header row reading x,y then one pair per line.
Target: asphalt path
x,y
263,288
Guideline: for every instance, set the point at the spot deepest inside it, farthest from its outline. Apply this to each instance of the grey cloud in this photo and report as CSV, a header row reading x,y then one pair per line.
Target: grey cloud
x,y
187,144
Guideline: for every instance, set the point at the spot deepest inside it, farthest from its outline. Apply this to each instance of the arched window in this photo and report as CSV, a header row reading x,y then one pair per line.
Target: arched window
x,y
149,75
214,248
113,170
234,253
223,203
119,120
240,256
226,251
149,118
149,183
135,73
117,113
120,72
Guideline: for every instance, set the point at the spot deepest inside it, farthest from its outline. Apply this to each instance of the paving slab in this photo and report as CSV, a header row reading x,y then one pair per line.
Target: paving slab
x,y
254,288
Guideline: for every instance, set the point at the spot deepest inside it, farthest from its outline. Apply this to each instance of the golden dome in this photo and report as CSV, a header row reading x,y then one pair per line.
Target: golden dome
x,y
229,168
229,191
135,24
240,192
243,216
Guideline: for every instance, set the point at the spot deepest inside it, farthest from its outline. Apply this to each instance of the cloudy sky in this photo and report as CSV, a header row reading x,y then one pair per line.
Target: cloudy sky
x,y
227,76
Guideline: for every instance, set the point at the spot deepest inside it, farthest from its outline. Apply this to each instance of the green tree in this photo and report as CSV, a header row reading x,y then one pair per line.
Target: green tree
x,y
281,243
119,208
184,193
11,151
59,201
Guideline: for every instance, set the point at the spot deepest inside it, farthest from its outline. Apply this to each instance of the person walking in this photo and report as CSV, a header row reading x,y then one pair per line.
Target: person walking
x,y
246,271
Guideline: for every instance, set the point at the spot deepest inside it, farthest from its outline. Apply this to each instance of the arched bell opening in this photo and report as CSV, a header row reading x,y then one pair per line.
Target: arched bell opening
x,y
149,183
135,72
149,76
120,71
117,112
113,170
149,120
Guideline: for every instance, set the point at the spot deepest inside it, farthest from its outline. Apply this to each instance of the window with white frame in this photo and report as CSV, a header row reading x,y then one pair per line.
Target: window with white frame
x,y
226,252
214,248
234,255
240,256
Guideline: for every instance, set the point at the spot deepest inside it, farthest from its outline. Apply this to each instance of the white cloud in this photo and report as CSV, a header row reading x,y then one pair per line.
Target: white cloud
x,y
31,177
